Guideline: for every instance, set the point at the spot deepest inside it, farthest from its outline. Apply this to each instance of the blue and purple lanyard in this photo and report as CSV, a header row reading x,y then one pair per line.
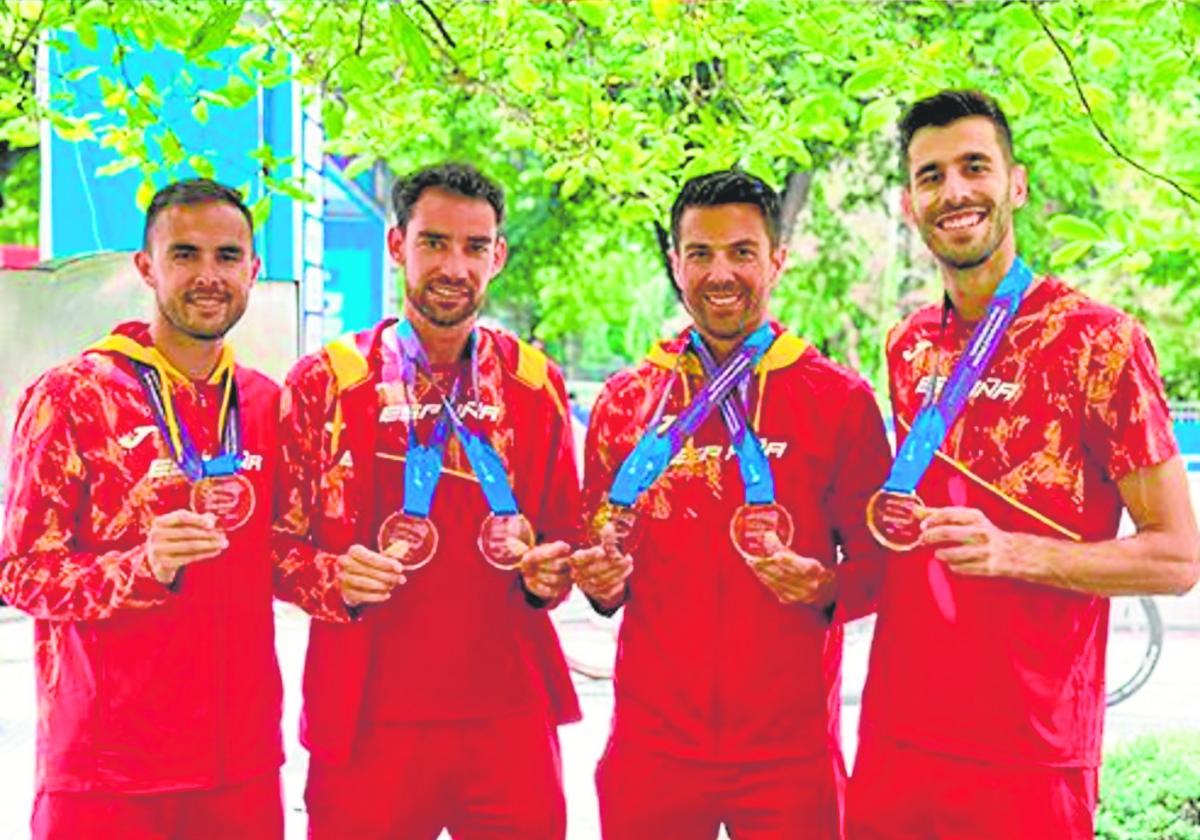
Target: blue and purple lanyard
x,y
423,462
188,457
655,449
936,418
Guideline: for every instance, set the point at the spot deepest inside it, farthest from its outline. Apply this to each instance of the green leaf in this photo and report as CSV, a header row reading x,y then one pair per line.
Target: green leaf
x,y
81,73
411,40
145,194
525,76
200,111
172,151
592,12
878,115
202,166
1067,226
1034,58
1103,53
117,166
86,33
358,166
333,117
865,81
1069,254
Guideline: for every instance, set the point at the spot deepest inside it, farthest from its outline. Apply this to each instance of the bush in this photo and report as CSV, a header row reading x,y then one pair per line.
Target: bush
x,y
1150,789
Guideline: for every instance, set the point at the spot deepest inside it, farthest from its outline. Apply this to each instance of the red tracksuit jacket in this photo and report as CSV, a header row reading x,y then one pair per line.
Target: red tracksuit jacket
x,y
710,665
458,640
140,688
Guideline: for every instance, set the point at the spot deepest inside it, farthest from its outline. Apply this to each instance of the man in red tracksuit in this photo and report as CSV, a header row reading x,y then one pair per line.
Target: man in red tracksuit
x,y
984,701
728,670
158,691
432,695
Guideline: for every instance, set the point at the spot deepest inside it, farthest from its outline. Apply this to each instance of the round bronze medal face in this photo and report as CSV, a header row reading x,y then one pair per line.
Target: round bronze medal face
x,y
625,525
895,519
504,539
750,524
230,498
412,540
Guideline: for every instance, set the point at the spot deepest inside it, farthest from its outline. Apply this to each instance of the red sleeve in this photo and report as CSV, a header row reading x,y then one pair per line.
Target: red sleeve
x,y
864,458
560,516
1127,424
600,459
304,574
43,570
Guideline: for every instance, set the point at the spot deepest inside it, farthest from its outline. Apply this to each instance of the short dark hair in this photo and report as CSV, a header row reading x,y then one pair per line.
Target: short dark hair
x,y
193,191
728,186
948,106
460,178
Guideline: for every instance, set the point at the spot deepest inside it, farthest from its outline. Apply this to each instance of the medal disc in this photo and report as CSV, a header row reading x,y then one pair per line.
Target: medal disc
x,y
410,539
895,519
499,536
230,498
624,521
750,525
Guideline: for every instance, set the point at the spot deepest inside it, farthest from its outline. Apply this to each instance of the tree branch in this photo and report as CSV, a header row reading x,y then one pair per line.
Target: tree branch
x,y
437,21
1037,13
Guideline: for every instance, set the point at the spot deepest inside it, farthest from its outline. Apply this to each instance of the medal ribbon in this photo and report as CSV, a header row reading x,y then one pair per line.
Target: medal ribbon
x,y
157,376
654,451
935,419
752,460
426,468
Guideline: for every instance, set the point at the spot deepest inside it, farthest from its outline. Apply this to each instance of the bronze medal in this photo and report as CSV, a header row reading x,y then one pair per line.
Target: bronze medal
x,y
895,519
412,540
499,536
230,498
750,525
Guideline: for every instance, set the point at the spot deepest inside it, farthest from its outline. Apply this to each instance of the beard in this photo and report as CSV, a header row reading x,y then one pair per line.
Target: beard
x,y
175,311
974,254
441,315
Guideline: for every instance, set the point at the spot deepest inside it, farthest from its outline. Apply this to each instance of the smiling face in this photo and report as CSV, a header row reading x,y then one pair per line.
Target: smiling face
x,y
962,191
451,249
199,259
726,269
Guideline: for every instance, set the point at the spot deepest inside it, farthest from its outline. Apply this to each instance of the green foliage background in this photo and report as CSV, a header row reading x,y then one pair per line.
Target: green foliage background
x,y
592,113
1150,788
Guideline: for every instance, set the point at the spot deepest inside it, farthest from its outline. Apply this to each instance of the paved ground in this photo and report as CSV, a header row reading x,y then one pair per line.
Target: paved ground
x,y
1171,700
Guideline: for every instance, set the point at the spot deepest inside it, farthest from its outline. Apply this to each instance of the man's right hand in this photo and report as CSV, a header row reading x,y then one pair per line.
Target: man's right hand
x,y
179,538
368,577
601,571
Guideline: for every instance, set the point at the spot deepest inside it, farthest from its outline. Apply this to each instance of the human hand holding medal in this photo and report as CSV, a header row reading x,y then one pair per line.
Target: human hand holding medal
x,y
601,571
179,538
546,569
793,578
368,577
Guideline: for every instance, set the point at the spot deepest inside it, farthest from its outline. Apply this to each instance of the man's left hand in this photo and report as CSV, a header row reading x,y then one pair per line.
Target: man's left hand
x,y
795,579
546,570
971,544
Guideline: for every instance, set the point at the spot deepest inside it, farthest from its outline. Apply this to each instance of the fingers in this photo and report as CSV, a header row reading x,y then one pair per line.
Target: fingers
x,y
959,534
363,560
936,517
772,543
367,576
963,554
185,517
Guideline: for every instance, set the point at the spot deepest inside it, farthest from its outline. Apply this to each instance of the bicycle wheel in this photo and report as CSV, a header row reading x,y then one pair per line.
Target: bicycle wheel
x,y
589,640
1135,638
